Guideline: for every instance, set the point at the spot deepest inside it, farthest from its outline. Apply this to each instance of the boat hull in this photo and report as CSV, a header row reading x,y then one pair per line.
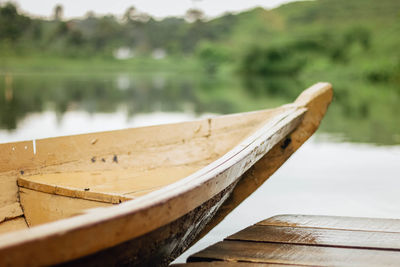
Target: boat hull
x,y
155,228
161,246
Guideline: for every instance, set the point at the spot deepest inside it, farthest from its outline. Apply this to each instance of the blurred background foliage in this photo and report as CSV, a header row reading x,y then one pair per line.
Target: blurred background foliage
x,y
233,63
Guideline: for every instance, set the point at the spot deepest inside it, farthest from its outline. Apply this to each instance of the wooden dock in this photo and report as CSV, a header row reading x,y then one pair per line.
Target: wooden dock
x,y
307,241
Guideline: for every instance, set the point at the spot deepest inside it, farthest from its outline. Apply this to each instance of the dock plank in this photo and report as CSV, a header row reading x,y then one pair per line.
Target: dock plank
x,y
257,252
232,264
335,222
318,236
307,240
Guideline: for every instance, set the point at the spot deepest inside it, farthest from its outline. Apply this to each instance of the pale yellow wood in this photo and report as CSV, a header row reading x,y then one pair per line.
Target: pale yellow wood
x,y
130,146
73,192
144,214
231,143
177,161
174,150
10,211
15,224
125,183
8,191
42,207
15,156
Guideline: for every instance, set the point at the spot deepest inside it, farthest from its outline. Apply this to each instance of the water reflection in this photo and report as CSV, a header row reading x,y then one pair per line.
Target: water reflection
x,y
48,124
23,95
360,112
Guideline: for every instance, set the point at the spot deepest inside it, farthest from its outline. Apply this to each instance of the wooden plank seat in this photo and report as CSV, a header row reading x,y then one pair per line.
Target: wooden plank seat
x,y
54,196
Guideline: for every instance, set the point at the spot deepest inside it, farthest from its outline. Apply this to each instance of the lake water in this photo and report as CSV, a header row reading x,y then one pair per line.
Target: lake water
x,y
351,167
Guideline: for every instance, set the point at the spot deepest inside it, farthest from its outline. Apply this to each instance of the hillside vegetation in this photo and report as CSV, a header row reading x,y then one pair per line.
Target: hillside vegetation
x,y
354,44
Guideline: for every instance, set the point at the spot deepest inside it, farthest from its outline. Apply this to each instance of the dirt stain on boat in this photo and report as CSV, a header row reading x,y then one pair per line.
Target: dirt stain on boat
x,y
286,143
209,128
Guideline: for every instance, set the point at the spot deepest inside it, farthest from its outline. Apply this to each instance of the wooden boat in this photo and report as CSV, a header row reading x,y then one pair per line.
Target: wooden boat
x,y
141,196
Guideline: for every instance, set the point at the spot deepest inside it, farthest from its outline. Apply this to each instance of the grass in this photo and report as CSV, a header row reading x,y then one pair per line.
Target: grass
x,y
38,64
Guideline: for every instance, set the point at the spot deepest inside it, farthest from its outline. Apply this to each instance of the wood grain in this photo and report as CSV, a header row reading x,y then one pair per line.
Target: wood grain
x,y
10,211
143,146
228,145
137,217
320,237
43,208
112,186
309,240
334,222
14,224
8,195
296,254
232,264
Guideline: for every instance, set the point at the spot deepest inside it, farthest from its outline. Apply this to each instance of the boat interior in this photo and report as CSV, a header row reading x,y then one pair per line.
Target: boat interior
x,y
55,178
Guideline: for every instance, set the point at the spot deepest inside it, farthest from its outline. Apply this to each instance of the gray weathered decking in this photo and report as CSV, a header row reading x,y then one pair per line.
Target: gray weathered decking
x,y
307,241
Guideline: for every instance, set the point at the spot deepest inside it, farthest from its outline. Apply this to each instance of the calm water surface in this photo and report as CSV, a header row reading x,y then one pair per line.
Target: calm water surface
x,y
344,171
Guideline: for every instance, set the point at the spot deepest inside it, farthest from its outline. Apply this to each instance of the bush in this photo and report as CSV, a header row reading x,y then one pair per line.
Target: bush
x,y
211,56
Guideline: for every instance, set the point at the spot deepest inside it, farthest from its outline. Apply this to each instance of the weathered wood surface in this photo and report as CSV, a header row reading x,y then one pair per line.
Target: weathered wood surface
x,y
14,224
297,254
10,208
337,222
159,247
43,207
215,152
321,95
308,241
232,264
132,219
315,236
10,211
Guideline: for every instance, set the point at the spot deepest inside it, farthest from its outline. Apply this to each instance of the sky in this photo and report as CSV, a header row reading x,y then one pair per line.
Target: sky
x,y
156,8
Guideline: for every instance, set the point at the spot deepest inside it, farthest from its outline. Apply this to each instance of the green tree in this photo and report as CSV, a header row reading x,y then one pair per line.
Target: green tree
x,y
211,56
12,25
